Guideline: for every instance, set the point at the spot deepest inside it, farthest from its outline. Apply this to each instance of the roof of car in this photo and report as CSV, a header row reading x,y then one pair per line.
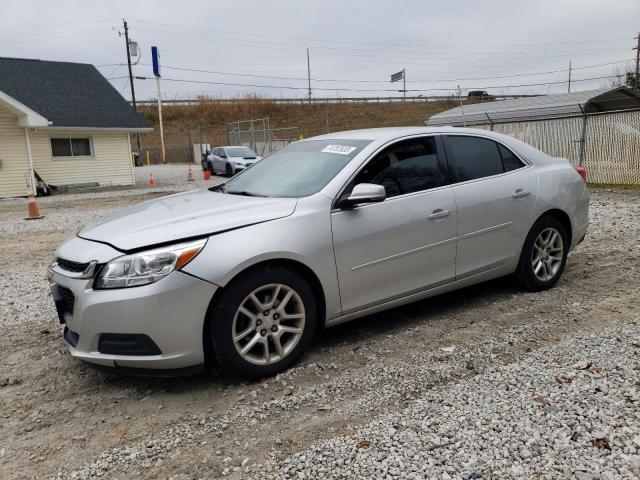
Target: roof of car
x,y
390,133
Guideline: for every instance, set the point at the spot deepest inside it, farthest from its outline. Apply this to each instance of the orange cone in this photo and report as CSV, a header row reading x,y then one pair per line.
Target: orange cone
x,y
190,176
206,175
32,208
152,181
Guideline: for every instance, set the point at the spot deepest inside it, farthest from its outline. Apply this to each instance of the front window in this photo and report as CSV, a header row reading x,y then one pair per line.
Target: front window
x,y
71,147
405,167
297,170
240,152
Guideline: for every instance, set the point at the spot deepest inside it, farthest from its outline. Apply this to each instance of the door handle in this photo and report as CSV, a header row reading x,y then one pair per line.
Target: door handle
x,y
519,193
439,213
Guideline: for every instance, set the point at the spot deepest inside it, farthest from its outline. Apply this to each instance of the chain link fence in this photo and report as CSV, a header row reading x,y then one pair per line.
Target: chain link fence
x,y
606,144
258,135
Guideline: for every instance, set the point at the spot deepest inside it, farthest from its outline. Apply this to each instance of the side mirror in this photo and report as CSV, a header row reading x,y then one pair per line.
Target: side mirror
x,y
223,155
364,193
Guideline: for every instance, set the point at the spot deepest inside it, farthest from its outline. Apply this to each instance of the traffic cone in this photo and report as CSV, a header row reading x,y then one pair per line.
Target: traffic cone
x,y
152,181
190,176
32,208
206,175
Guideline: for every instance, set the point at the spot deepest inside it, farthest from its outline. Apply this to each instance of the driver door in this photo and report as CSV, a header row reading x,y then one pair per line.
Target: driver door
x,y
405,244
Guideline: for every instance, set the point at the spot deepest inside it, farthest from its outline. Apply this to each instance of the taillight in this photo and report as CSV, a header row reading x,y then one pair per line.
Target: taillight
x,y
582,172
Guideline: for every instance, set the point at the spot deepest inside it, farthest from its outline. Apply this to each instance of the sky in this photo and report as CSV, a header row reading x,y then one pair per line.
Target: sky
x,y
236,48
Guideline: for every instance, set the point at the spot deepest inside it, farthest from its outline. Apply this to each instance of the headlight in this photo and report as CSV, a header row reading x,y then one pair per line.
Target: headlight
x,y
147,267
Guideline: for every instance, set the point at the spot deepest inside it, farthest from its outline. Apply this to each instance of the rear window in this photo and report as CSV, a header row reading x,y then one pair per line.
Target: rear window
x,y
474,157
477,157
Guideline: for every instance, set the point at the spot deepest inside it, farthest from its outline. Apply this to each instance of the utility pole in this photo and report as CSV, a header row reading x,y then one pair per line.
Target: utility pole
x,y
309,74
637,49
133,90
569,89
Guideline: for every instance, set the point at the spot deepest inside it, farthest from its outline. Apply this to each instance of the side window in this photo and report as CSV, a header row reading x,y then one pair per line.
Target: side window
x,y
509,160
405,167
474,157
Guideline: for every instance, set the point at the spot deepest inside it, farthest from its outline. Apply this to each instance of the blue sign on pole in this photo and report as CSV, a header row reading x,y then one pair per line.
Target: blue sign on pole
x,y
155,59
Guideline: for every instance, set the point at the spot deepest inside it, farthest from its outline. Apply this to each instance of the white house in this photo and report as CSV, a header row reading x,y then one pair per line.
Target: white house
x,y
65,123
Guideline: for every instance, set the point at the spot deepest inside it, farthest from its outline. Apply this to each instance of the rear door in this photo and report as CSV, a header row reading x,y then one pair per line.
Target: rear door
x,y
405,244
495,192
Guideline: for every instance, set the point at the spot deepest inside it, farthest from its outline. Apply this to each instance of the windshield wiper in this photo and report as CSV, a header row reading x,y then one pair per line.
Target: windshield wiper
x,y
243,192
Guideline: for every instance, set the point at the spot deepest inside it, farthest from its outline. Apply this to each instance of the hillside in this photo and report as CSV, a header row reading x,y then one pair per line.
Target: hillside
x,y
310,119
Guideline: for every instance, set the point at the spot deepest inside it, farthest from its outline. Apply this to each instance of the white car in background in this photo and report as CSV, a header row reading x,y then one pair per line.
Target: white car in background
x,y
230,160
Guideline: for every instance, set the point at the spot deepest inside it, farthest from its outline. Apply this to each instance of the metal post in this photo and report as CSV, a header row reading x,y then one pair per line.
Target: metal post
x,y
490,121
164,154
269,142
253,135
404,84
583,135
464,123
569,88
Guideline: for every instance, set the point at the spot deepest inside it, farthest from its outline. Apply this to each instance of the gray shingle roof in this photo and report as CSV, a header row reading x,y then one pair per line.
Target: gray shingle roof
x,y
67,94
544,106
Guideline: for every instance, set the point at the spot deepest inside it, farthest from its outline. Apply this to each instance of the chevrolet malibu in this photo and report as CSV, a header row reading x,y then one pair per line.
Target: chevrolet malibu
x,y
324,231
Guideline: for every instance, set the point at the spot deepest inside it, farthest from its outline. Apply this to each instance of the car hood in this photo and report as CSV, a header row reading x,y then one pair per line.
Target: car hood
x,y
184,215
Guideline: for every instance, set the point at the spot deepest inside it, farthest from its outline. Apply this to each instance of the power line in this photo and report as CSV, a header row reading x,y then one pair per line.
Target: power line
x,y
428,45
341,51
342,89
278,77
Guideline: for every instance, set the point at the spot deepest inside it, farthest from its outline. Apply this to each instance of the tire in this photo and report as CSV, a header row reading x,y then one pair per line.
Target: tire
x,y
226,320
532,276
228,170
210,168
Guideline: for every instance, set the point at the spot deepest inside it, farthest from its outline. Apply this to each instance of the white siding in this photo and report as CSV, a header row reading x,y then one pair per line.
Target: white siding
x,y
13,153
110,163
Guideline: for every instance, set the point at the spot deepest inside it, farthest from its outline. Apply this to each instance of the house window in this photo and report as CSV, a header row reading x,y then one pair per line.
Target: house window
x,y
71,147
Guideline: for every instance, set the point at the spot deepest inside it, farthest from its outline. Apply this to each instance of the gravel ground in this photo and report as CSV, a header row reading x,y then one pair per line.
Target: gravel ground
x,y
487,382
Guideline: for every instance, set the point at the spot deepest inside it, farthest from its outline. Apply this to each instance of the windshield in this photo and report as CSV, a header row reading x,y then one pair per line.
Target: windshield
x,y
240,152
297,170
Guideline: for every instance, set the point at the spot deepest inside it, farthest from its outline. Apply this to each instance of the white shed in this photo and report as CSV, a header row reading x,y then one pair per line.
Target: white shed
x,y
65,123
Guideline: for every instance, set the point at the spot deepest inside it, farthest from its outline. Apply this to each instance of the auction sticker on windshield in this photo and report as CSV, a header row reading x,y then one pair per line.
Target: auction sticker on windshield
x,y
339,149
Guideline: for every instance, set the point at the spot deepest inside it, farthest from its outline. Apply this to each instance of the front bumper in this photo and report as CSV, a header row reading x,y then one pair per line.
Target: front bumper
x,y
170,312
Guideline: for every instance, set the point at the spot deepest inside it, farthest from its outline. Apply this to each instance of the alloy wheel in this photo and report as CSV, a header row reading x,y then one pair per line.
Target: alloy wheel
x,y
268,324
547,254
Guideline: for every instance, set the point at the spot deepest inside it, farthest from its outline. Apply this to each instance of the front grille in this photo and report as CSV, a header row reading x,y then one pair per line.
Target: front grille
x,y
71,266
64,300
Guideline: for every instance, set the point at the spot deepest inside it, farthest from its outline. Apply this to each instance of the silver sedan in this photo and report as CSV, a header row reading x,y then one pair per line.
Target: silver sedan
x,y
326,230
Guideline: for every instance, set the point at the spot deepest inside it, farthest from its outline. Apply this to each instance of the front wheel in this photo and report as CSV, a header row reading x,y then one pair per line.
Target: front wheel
x,y
229,170
262,323
544,255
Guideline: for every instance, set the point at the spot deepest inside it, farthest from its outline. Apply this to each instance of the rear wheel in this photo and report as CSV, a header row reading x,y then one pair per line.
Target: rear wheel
x,y
262,323
544,255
